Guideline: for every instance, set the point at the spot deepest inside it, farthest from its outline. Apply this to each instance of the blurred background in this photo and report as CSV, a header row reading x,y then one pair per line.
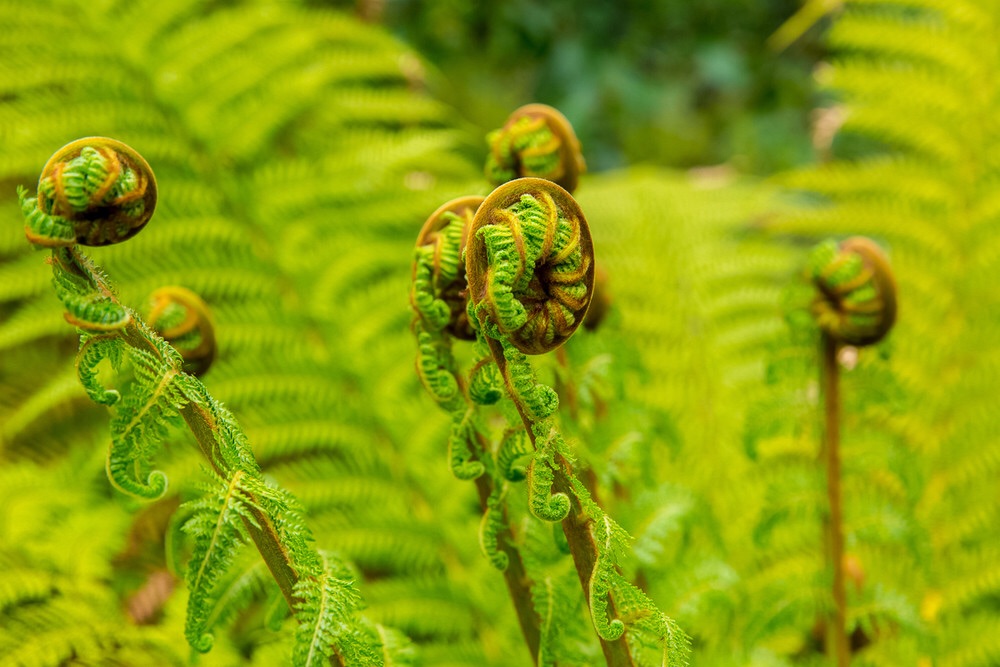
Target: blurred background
x,y
300,145
672,83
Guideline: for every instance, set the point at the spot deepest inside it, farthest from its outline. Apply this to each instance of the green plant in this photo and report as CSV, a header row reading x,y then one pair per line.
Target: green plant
x,y
856,306
252,235
921,447
97,187
516,269
181,318
694,412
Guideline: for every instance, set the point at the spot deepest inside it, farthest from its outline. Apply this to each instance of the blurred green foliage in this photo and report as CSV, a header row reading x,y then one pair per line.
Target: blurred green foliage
x,y
679,83
698,403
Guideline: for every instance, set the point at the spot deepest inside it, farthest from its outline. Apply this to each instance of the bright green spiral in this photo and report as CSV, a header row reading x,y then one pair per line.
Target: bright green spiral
x,y
93,191
536,141
856,304
530,265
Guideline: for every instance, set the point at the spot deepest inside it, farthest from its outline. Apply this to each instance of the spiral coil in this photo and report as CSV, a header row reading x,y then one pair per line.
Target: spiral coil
x,y
536,141
181,318
856,304
93,191
530,264
439,287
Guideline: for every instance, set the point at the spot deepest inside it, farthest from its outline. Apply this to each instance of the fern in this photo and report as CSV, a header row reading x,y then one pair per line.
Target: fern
x,y
924,188
691,411
239,246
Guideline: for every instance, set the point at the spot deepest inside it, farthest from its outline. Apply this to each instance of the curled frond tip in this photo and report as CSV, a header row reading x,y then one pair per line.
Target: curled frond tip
x,y
93,191
530,264
856,304
536,141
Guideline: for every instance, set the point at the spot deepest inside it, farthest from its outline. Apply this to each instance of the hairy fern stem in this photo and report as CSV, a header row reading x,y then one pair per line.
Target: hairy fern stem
x,y
205,428
576,526
837,644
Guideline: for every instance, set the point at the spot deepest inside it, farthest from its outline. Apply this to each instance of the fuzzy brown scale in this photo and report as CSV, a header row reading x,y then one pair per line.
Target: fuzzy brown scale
x,y
453,293
546,295
104,221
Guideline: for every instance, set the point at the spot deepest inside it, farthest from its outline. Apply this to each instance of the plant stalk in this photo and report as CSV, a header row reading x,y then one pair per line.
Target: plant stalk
x,y
576,525
837,635
515,576
202,425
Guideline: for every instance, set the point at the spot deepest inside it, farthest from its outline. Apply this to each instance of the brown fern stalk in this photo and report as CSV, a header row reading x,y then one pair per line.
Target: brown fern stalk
x,y
576,526
837,633
856,305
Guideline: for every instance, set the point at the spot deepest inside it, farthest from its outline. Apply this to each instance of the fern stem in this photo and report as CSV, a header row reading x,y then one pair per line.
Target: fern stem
x,y
576,526
837,635
569,389
515,576
264,534
203,426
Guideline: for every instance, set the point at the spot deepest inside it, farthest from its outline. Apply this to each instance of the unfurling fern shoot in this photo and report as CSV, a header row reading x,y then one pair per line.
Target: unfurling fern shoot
x,y
182,318
439,300
530,268
536,141
856,306
531,264
440,249
94,191
99,191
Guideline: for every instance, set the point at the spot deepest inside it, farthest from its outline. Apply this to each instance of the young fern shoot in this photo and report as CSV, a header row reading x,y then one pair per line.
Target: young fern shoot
x,y
439,301
537,142
522,286
530,264
856,306
98,191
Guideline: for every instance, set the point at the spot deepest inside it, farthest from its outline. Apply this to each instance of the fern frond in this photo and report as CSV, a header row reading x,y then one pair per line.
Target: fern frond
x,y
324,614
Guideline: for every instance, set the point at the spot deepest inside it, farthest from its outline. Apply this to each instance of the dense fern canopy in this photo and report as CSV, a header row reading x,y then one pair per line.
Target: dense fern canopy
x,y
297,152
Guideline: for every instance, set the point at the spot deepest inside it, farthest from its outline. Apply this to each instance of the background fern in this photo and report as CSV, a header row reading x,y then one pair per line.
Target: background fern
x,y
297,155
284,367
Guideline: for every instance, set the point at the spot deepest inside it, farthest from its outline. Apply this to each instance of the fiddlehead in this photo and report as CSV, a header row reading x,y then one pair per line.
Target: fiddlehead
x,y
93,191
181,318
856,304
530,264
439,298
104,192
438,270
535,141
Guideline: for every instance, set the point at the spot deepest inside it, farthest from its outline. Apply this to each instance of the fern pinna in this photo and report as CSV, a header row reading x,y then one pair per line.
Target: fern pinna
x,y
104,193
518,269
